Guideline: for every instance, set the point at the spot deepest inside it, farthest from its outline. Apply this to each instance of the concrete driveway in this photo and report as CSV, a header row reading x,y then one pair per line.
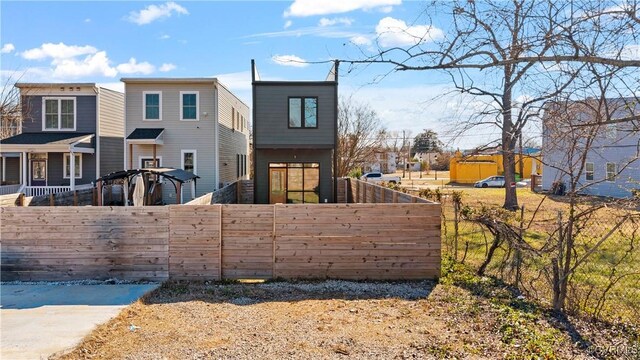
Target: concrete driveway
x,y
39,320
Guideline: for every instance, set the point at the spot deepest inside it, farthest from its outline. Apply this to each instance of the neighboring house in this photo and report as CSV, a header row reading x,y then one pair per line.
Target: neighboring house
x,y
426,157
66,126
294,139
195,124
611,166
384,162
467,169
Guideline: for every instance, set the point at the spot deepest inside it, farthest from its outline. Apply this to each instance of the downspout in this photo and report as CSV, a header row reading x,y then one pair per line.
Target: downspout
x,y
97,154
216,127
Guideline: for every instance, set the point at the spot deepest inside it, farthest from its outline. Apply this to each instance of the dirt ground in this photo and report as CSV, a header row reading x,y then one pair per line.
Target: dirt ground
x,y
460,318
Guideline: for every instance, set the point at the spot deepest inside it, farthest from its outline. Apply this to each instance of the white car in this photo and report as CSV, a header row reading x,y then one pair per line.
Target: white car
x,y
491,181
379,177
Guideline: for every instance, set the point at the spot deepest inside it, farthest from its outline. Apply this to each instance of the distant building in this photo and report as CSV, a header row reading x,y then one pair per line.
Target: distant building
x,y
467,169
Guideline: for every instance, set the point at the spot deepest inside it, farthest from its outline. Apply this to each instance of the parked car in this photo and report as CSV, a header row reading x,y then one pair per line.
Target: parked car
x,y
491,181
379,177
524,183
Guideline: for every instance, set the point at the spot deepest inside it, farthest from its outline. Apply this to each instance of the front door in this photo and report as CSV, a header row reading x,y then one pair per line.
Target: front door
x,y
278,186
38,172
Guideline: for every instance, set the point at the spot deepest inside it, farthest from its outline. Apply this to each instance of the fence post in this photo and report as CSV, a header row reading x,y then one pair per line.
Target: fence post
x,y
364,193
357,192
238,189
52,201
75,197
220,243
273,243
382,193
395,196
21,199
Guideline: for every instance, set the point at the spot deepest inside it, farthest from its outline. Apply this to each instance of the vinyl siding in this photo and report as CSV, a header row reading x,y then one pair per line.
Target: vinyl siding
x,y
85,113
232,142
178,135
264,157
272,115
13,170
55,170
111,123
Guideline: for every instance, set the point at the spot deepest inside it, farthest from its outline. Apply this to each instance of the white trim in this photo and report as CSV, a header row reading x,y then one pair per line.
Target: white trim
x,y
97,149
31,148
195,159
216,129
197,93
606,172
64,165
54,90
44,113
593,172
144,105
140,157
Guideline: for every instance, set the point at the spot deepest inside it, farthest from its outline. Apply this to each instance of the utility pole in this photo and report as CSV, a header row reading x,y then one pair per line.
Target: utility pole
x,y
404,165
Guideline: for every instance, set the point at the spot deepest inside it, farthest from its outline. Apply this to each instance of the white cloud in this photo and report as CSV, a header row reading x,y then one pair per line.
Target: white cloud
x,y
289,60
87,20
167,67
154,12
335,21
630,52
92,65
394,32
7,48
360,40
134,67
288,24
302,8
236,81
57,51
164,37
116,86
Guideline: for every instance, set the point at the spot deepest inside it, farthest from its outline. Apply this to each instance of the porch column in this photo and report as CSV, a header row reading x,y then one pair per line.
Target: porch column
x,y
155,162
193,189
4,169
130,156
72,170
24,180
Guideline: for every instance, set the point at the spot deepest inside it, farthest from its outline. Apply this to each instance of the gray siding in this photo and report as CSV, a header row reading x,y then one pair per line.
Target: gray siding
x,y
621,150
178,135
85,113
233,140
55,170
111,124
272,118
13,170
264,157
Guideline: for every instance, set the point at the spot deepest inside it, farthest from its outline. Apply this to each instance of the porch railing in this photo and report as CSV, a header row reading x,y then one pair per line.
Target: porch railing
x,y
10,189
44,190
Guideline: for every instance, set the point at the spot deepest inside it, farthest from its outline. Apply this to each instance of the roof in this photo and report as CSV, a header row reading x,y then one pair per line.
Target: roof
x,y
41,85
145,134
170,173
44,138
169,80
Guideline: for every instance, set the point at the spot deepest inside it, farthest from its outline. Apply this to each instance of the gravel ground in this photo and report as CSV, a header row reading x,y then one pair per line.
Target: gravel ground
x,y
328,320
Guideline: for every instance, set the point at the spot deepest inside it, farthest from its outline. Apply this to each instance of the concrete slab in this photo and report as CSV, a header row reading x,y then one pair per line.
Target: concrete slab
x,y
39,320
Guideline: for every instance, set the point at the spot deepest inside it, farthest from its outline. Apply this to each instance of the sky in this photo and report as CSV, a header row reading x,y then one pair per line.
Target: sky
x,y
102,42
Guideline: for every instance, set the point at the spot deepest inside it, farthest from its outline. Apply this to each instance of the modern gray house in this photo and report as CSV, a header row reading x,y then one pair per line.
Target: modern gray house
x,y
71,134
194,124
604,159
294,139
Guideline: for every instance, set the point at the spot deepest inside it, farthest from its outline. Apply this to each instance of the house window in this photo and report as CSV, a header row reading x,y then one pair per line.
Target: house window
x,y
303,112
59,114
611,131
589,170
189,161
189,104
152,104
147,162
611,171
77,165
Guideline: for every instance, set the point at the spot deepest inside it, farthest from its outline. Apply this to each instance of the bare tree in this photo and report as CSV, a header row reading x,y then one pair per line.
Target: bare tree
x,y
360,135
11,108
507,52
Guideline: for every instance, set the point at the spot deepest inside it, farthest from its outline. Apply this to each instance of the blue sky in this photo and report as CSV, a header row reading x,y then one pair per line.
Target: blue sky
x,y
105,41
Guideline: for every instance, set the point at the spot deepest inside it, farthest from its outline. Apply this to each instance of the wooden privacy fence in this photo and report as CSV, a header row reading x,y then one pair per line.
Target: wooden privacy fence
x,y
212,242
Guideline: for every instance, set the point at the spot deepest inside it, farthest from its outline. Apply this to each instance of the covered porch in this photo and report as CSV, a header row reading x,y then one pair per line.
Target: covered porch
x,y
42,163
145,136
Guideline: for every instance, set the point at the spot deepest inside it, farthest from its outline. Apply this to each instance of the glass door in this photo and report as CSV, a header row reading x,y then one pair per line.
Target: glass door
x,y
38,172
277,185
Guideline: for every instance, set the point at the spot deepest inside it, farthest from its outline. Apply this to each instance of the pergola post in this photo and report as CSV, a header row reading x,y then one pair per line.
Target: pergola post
x,y
179,193
130,156
99,192
155,161
125,189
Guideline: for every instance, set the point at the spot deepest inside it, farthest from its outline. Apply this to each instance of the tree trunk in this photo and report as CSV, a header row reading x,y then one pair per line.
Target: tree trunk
x,y
508,147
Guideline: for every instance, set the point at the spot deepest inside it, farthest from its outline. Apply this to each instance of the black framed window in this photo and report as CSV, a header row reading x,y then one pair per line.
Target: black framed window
x,y
303,112
303,182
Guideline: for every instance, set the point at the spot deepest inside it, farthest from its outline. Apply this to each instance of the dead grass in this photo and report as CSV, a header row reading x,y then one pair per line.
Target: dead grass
x,y
463,317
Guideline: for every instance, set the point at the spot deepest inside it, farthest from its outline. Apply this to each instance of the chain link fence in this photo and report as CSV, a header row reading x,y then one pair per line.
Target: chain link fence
x,y
588,253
